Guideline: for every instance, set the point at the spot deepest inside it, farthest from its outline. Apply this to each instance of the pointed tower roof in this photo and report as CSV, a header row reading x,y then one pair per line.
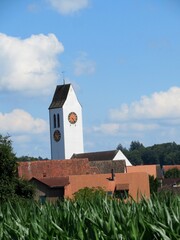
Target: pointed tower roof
x,y
60,96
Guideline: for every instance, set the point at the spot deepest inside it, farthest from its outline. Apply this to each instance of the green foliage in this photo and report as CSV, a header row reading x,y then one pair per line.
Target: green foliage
x,y
89,194
172,173
154,184
163,154
136,145
8,166
10,185
24,189
28,159
156,218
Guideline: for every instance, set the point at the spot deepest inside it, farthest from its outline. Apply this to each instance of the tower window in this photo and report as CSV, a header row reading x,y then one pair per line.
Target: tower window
x,y
58,121
54,117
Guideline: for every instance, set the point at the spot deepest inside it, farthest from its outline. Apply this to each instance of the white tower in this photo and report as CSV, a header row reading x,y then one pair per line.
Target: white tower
x,y
65,116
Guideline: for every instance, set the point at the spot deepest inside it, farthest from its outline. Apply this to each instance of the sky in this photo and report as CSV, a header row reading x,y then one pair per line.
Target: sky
x,y
122,58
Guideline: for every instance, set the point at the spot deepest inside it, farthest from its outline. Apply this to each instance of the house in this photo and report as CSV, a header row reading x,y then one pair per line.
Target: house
x,y
62,178
170,184
67,167
50,189
120,184
103,156
152,170
169,167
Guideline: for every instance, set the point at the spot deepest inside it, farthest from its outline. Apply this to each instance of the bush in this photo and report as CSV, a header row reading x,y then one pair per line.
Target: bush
x,y
172,173
89,194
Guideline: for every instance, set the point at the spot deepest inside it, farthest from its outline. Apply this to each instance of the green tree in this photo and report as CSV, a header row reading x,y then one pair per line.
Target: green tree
x,y
154,184
149,157
10,185
172,173
8,165
8,168
89,194
136,145
135,157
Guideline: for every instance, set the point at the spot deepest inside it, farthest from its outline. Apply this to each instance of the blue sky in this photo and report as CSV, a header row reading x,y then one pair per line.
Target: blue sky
x,y
122,58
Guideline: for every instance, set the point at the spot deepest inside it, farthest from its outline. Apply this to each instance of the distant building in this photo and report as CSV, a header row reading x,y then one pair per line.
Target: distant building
x,y
60,179
134,184
152,170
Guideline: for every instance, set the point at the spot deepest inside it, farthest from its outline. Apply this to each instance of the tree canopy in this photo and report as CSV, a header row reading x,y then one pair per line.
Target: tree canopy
x,y
163,154
172,173
10,185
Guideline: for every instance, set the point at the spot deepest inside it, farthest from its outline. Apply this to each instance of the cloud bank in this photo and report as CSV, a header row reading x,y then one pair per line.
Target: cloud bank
x,y
158,106
153,119
68,6
29,65
21,122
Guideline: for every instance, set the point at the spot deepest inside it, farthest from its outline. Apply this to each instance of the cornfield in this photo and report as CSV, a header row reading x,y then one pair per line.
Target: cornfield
x,y
102,218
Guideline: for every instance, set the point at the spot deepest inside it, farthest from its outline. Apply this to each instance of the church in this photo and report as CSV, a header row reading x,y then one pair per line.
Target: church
x,y
66,128
65,117
70,168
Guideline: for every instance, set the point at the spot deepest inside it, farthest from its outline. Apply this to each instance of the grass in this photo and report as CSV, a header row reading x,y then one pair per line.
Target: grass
x,y
95,218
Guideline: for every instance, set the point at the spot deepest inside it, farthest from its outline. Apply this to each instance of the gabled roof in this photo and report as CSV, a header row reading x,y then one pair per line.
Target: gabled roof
x,y
53,168
107,165
53,182
97,156
60,96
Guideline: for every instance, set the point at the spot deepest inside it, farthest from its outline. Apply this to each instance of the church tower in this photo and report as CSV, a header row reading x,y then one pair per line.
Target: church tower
x,y
65,116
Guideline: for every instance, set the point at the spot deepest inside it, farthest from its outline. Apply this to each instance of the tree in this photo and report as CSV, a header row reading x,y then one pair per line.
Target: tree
x,y
10,185
172,173
8,165
89,194
135,157
120,147
149,157
136,145
154,184
8,168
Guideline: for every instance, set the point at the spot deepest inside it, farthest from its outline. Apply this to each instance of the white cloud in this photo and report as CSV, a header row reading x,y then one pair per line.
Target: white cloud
x,y
158,106
118,128
29,65
19,121
153,119
108,128
83,66
69,6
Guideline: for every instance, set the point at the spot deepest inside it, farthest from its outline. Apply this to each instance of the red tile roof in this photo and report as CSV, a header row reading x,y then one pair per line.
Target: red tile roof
x,y
97,156
168,167
53,168
53,182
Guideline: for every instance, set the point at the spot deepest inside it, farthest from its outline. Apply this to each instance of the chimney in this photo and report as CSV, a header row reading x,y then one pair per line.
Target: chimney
x,y
112,174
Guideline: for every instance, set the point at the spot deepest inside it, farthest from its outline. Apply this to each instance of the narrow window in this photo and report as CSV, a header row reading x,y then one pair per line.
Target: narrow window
x,y
58,120
54,120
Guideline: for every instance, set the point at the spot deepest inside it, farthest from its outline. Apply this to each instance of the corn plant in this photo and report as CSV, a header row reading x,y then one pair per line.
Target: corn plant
x,y
100,218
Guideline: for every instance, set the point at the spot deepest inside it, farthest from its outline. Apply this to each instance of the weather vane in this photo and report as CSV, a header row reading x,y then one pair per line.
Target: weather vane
x,y
63,77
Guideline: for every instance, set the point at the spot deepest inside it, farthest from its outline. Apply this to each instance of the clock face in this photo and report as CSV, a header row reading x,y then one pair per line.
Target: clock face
x,y
72,117
57,135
